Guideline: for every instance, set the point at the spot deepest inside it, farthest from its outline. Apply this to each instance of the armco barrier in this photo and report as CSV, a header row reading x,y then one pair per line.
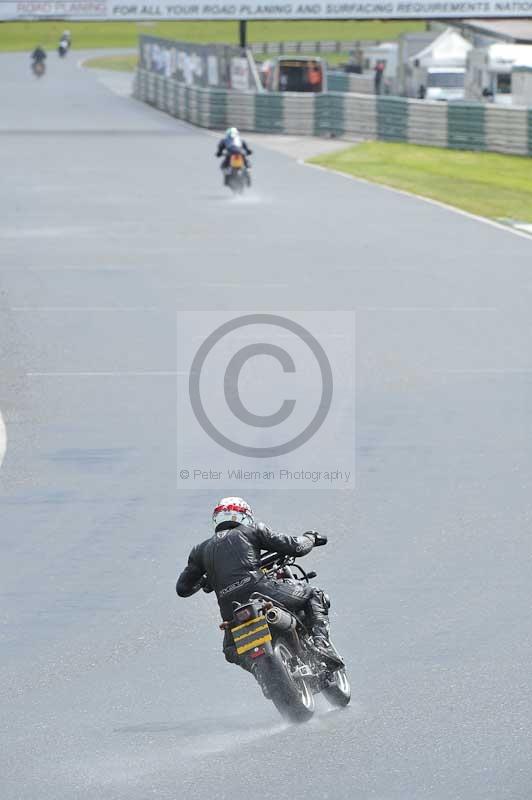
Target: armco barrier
x,y
508,131
392,119
464,126
350,82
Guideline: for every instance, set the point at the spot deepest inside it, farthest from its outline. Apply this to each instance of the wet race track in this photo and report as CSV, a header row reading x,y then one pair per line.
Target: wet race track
x,y
113,218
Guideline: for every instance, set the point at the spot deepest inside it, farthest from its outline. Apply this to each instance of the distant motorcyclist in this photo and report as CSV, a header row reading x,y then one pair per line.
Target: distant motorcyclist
x,y
233,142
64,43
38,58
38,55
229,563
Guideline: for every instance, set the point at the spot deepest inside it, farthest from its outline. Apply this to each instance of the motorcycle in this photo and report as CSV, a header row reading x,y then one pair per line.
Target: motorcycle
x,y
38,68
275,645
236,174
63,48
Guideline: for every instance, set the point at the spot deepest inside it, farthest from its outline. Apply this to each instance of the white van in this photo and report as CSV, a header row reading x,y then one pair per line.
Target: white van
x,y
444,83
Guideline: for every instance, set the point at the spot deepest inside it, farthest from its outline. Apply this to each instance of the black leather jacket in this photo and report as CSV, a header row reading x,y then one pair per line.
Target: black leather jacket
x,y
230,560
226,144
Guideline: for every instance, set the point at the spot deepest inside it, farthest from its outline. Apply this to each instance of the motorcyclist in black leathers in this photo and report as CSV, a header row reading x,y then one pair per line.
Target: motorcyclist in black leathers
x,y
38,54
229,564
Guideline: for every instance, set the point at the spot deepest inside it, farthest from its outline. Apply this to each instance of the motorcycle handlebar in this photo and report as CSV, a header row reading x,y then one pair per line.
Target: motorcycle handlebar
x,y
268,560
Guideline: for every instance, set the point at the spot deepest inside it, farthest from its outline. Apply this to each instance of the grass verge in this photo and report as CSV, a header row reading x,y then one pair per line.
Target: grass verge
x,y
117,63
487,184
25,35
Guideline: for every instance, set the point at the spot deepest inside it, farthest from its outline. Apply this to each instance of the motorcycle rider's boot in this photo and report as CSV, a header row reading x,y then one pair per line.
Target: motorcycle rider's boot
x,y
320,639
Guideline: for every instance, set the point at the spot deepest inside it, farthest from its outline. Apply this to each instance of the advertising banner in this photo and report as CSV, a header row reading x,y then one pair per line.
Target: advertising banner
x,y
203,66
394,9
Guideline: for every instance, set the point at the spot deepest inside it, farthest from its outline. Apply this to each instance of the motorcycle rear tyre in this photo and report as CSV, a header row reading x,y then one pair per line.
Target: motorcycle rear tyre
x,y
292,698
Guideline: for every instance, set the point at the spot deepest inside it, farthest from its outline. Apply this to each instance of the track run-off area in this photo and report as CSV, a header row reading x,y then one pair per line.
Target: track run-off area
x,y
113,218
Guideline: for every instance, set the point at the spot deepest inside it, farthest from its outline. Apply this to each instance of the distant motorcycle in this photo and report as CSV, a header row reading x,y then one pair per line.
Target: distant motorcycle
x,y
38,68
236,174
63,48
277,646
38,57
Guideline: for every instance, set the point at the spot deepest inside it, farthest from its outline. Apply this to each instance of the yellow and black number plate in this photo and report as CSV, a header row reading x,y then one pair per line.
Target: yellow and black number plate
x,y
250,634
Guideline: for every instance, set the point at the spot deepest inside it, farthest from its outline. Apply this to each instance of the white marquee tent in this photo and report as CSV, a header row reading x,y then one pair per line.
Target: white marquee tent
x,y
450,49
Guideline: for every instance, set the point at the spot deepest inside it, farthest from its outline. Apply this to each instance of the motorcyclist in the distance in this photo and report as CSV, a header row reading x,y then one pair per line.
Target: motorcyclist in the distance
x,y
229,563
64,43
38,54
233,142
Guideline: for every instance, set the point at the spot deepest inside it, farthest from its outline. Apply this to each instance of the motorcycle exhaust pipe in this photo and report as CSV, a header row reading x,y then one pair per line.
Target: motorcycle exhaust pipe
x,y
280,619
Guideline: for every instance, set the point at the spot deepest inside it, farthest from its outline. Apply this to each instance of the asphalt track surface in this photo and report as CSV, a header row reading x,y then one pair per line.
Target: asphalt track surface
x,y
111,688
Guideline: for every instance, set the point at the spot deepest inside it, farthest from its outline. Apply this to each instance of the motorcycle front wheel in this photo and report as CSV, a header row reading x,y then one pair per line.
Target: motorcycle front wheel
x,y
338,693
236,182
290,694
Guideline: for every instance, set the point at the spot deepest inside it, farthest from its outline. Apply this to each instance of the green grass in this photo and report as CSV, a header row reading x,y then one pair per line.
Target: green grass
x,y
25,35
117,63
488,184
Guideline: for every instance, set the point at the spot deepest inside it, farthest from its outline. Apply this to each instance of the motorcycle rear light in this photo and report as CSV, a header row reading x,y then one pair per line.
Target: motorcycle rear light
x,y
243,614
258,651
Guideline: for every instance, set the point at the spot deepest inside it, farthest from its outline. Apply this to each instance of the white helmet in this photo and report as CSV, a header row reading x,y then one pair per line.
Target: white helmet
x,y
232,509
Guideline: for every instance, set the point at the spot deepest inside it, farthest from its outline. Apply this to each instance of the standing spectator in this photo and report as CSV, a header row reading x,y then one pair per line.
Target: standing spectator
x,y
379,72
314,77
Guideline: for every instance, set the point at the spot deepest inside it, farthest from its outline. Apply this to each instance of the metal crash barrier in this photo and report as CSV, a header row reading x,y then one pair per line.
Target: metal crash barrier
x,y
462,126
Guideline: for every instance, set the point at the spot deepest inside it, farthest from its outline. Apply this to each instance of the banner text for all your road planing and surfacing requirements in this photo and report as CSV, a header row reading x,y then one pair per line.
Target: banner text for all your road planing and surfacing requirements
x,y
399,9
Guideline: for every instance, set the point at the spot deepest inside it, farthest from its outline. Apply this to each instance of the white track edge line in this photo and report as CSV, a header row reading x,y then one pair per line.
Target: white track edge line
x,y
430,200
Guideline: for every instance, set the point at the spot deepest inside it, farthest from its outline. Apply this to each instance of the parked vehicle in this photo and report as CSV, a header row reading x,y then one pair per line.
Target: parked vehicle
x,y
444,83
296,74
